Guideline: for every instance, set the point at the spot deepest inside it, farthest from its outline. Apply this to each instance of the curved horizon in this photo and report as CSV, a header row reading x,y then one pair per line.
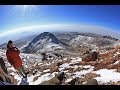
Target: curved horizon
x,y
21,32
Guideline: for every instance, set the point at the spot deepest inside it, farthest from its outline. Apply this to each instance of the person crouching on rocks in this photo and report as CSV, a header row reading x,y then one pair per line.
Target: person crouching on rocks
x,y
14,59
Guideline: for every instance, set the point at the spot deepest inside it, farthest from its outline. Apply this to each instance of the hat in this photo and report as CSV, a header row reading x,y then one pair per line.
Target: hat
x,y
10,41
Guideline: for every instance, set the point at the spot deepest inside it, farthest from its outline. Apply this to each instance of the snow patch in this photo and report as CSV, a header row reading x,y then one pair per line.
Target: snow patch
x,y
75,60
87,66
107,75
68,80
47,70
64,65
43,78
83,72
65,59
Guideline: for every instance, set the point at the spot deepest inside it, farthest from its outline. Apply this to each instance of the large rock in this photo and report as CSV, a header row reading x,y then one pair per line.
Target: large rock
x,y
4,76
56,80
91,75
2,65
55,67
93,56
86,81
53,81
7,77
91,82
117,57
72,82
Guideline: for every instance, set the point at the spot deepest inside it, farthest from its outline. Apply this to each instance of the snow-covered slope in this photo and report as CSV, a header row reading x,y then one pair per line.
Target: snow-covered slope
x,y
82,41
44,42
72,66
92,42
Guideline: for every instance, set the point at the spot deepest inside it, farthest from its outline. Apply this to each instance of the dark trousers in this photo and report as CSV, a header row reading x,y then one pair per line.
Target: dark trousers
x,y
22,71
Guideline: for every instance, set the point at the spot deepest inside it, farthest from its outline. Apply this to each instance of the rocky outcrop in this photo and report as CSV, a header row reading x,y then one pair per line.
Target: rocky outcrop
x,y
56,80
91,82
93,56
4,77
91,75
55,67
72,82
86,81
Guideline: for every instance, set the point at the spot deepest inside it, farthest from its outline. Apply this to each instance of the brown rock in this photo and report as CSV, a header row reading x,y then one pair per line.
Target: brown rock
x,y
53,81
2,77
118,70
7,78
13,80
54,69
72,82
91,75
93,56
82,63
91,82
35,78
70,70
109,66
79,69
117,57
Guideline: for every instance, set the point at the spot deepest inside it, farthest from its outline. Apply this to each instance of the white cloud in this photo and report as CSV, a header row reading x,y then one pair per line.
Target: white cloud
x,y
36,29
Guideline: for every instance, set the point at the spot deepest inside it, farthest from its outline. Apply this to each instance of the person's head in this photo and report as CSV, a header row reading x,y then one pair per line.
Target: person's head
x,y
10,44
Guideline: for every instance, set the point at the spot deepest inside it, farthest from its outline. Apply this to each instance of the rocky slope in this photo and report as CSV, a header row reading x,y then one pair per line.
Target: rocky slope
x,y
105,69
44,42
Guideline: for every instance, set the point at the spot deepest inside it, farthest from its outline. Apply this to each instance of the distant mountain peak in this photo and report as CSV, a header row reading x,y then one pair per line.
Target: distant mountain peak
x,y
46,35
43,41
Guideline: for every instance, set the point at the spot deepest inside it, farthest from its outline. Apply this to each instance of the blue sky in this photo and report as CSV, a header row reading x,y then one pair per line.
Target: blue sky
x,y
101,15
14,17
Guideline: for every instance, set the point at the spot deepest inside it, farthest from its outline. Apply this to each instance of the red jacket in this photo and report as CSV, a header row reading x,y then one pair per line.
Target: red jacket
x,y
13,57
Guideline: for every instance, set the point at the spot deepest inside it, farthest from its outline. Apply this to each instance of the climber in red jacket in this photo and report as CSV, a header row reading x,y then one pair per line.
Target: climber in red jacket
x,y
14,58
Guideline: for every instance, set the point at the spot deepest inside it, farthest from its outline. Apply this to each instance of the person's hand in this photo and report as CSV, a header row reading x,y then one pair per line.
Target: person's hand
x,y
16,48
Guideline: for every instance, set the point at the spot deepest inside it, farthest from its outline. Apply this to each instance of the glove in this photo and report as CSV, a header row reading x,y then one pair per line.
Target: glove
x,y
16,48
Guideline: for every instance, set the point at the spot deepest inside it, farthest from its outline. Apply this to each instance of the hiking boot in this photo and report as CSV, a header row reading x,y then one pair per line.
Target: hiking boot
x,y
27,73
25,76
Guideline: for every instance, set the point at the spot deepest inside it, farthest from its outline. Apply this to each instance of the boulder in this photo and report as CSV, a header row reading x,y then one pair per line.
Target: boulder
x,y
13,80
56,80
91,75
91,82
4,76
2,64
7,78
35,78
72,82
54,68
53,81
93,56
